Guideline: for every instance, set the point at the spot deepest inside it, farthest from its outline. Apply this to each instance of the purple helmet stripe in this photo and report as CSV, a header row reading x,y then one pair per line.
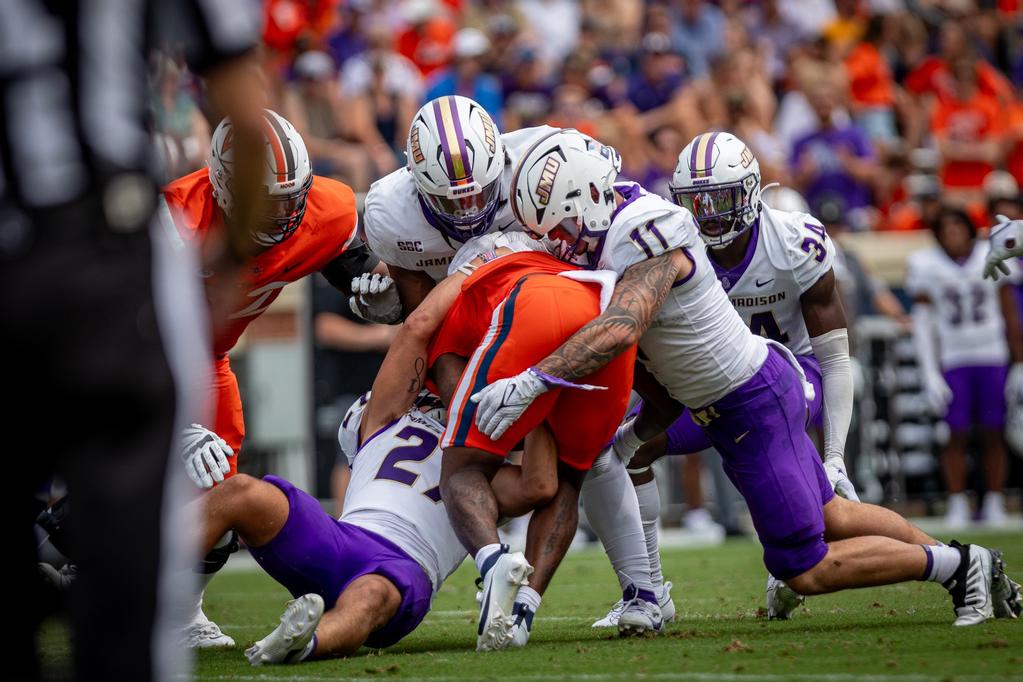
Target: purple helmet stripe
x,y
708,155
692,156
444,143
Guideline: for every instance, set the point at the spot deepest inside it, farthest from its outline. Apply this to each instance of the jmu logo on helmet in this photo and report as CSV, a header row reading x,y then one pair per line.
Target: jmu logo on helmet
x,y
746,157
546,184
417,149
489,134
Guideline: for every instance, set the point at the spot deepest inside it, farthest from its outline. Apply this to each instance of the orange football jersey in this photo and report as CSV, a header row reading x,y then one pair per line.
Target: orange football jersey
x,y
328,227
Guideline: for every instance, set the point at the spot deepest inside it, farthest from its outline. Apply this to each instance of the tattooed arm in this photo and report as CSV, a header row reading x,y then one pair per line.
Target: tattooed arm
x,y
403,372
637,298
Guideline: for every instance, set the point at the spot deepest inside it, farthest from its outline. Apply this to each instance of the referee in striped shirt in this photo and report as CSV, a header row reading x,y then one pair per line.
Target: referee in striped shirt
x,y
102,336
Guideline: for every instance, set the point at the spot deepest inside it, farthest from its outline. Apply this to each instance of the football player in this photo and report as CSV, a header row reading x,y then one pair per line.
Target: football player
x,y
310,226
967,332
369,577
745,391
503,310
453,190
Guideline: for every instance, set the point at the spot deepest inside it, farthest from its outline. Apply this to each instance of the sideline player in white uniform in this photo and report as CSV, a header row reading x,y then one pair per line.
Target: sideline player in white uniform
x,y
369,577
747,396
967,330
454,190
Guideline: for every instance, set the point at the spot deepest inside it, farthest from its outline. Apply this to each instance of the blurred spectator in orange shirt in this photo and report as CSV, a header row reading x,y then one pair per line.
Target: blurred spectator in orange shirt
x,y
427,40
968,127
920,209
871,90
933,76
1014,140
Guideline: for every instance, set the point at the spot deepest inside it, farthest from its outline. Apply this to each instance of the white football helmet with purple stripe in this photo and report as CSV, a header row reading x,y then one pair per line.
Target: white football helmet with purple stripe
x,y
717,179
456,156
563,191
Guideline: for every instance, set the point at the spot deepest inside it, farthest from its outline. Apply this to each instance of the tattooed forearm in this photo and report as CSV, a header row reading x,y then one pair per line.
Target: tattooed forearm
x,y
416,382
637,298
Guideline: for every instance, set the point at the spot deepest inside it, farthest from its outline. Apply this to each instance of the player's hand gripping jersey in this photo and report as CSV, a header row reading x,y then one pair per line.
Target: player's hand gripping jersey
x,y
967,314
327,228
511,313
401,230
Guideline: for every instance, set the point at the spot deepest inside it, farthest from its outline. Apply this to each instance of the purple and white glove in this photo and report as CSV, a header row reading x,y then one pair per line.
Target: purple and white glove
x,y
502,403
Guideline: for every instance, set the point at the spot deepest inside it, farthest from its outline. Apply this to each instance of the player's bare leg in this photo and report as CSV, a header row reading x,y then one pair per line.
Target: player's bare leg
x,y
472,508
973,575
521,489
255,509
845,519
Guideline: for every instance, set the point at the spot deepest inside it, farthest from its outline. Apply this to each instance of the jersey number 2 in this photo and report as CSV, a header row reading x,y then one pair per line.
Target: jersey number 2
x,y
389,469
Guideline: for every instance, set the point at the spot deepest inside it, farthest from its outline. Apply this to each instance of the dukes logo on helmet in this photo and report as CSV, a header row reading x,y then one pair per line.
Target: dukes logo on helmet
x,y
546,183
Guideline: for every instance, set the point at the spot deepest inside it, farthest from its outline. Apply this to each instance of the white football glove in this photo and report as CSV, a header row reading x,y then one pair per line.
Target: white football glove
x,y
1014,384
1006,241
937,394
205,456
839,479
375,298
502,403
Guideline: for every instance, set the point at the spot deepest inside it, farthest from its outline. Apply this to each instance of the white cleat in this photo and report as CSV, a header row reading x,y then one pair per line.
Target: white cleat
x,y
292,637
957,515
500,587
523,625
203,633
782,600
663,600
970,585
640,617
1005,592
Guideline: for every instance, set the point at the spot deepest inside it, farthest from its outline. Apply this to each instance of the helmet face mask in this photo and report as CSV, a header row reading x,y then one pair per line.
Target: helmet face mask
x,y
284,215
723,212
286,182
717,179
457,160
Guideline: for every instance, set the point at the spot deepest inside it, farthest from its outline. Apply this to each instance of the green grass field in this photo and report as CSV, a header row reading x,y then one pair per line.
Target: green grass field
x,y
902,632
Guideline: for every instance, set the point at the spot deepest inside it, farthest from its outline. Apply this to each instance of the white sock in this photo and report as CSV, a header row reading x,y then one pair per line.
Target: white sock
x,y
309,648
528,596
942,562
994,500
650,512
483,556
958,502
613,512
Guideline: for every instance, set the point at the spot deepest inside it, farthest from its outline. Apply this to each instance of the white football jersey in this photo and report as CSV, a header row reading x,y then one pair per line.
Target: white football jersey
x,y
395,492
967,311
788,253
697,347
398,228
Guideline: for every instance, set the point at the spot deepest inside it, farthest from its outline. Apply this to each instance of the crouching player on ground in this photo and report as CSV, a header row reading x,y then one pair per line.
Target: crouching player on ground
x,y
504,311
369,577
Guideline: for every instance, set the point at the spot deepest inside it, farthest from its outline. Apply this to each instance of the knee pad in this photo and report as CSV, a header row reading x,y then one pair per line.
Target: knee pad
x,y
54,521
218,556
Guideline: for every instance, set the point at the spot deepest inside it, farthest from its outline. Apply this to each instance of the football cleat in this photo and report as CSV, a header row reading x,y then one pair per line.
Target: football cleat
x,y
782,600
970,585
523,616
203,633
1005,592
292,637
500,587
640,617
663,600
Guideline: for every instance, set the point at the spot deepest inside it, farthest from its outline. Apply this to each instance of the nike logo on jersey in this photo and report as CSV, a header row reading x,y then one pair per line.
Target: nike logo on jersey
x,y
765,282
741,436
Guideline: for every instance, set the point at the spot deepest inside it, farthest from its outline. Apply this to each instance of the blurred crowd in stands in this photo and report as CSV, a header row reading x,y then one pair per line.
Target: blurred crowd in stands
x,y
871,108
